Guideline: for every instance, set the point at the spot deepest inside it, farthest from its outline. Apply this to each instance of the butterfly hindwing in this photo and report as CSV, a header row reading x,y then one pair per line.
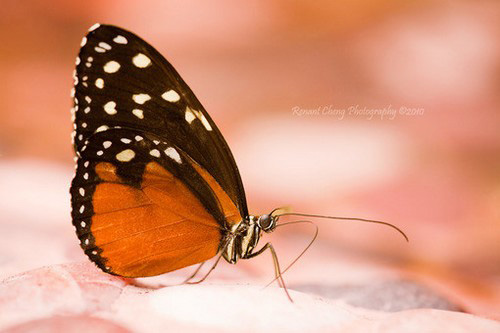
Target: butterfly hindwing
x,y
140,204
122,81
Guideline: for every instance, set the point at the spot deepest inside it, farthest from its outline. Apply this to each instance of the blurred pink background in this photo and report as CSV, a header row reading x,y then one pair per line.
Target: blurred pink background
x,y
266,71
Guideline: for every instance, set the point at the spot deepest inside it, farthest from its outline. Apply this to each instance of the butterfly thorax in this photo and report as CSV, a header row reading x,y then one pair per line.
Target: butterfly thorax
x,y
241,240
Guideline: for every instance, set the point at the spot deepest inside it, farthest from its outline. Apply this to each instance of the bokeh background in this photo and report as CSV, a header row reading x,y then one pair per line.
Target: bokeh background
x,y
266,71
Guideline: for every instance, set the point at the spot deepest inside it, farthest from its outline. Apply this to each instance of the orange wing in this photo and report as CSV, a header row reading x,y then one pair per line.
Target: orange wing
x,y
154,229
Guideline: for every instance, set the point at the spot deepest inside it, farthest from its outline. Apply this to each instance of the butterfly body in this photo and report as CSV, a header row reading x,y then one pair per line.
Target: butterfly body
x,y
156,187
242,240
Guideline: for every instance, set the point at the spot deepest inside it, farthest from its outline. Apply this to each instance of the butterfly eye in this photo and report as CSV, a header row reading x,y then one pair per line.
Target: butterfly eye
x,y
266,222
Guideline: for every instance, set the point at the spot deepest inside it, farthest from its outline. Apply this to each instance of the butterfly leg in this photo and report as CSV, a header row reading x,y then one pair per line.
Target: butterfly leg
x,y
277,270
208,273
194,273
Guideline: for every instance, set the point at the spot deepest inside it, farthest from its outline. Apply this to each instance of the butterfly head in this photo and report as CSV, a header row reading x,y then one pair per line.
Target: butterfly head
x,y
267,222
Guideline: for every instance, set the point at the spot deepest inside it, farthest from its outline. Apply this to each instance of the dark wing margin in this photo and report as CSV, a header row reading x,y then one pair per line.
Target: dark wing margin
x,y
122,81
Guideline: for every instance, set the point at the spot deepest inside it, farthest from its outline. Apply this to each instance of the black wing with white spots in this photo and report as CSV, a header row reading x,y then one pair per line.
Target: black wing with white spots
x,y
123,82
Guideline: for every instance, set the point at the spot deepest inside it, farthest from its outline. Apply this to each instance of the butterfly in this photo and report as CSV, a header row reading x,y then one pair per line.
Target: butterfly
x,y
156,186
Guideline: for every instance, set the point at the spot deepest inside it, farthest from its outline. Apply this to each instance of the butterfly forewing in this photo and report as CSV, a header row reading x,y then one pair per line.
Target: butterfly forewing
x,y
122,81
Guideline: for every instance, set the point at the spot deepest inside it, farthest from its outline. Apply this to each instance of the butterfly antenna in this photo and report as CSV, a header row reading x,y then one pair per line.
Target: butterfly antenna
x,y
346,219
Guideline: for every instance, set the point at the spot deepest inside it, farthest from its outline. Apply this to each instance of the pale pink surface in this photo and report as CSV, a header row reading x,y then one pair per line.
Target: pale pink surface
x,y
83,293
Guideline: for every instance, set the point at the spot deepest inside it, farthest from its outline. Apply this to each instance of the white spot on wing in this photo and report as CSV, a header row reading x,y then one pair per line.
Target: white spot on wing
x,y
111,67
106,144
101,128
204,121
110,108
155,153
120,40
125,156
83,224
105,46
173,154
141,60
138,113
82,208
138,138
82,191
189,116
84,41
125,140
99,83
95,26
89,61
99,49
141,98
171,96
99,153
